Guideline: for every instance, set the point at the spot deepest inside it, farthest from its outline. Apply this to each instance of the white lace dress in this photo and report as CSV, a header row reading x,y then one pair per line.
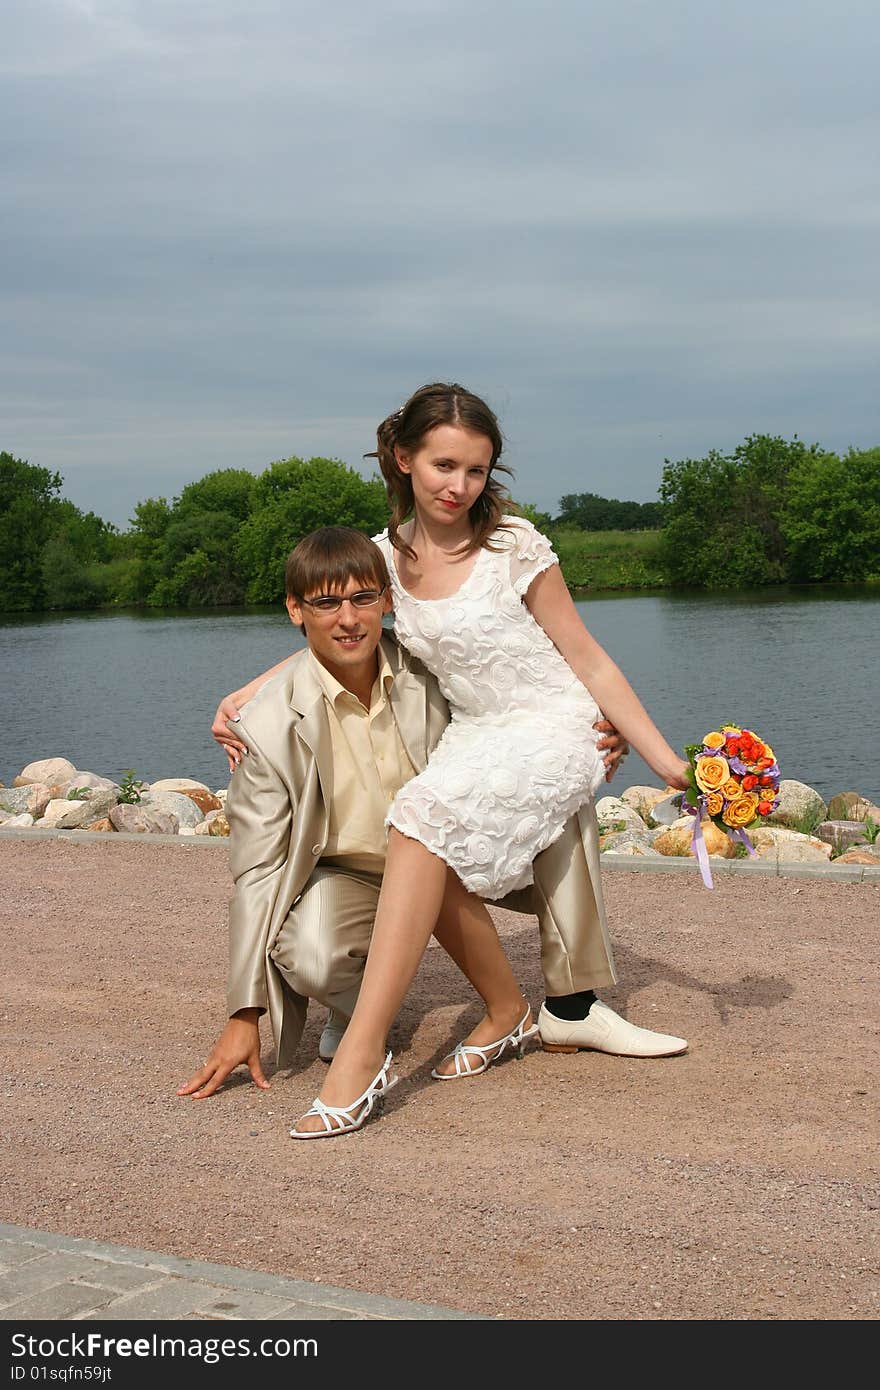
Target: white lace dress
x,y
519,756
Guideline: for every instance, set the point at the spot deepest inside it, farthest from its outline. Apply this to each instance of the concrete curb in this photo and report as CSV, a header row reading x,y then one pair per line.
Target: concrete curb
x,y
65,1278
835,873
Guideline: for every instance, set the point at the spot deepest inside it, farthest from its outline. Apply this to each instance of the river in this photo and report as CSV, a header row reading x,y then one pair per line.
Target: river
x,y
119,690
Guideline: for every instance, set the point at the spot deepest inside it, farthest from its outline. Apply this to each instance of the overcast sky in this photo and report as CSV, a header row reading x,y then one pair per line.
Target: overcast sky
x,y
235,230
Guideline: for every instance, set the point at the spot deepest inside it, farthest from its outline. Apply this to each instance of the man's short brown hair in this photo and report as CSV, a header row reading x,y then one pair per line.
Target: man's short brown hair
x,y
327,559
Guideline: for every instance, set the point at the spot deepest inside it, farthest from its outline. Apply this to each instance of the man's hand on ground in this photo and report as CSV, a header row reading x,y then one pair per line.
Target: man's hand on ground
x,y
612,744
239,1042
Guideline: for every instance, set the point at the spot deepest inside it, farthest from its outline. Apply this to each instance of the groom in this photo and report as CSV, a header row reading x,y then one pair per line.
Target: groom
x,y
331,738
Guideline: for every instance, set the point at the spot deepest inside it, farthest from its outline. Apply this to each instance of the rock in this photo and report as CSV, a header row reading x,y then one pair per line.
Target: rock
x,y
631,843
172,803
189,829
221,794
91,781
105,825
614,814
852,806
864,854
22,822
203,797
143,820
32,797
219,825
57,807
45,770
841,834
798,805
81,813
788,846
642,800
677,840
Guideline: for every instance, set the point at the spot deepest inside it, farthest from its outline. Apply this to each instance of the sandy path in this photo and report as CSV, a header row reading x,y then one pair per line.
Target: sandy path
x,y
735,1182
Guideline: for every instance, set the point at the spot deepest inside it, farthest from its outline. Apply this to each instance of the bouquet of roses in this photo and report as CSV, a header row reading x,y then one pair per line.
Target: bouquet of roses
x,y
734,780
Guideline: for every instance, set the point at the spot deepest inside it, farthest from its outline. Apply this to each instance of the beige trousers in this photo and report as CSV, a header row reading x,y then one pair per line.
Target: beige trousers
x,y
323,943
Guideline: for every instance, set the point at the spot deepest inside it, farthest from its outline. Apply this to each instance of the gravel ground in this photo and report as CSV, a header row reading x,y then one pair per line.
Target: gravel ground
x,y
736,1181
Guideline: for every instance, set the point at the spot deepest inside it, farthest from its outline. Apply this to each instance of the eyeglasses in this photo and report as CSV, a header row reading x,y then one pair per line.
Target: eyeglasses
x,y
331,603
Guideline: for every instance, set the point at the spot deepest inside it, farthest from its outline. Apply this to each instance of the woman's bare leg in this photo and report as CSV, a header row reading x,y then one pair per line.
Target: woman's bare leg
x,y
467,933
414,886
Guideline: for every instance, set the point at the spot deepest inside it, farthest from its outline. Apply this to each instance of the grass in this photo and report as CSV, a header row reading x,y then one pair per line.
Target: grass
x,y
609,559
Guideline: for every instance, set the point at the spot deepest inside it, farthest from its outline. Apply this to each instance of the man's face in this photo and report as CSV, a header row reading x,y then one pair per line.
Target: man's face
x,y
345,641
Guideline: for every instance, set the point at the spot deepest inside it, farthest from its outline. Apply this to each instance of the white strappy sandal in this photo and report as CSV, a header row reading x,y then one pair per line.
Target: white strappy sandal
x,y
515,1040
344,1119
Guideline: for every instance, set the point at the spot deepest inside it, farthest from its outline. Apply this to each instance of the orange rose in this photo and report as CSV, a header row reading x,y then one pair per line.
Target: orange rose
x,y
741,812
731,791
714,803
714,740
710,773
749,783
766,762
764,808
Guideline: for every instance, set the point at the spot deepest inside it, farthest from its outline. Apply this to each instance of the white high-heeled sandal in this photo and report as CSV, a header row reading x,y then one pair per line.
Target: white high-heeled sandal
x,y
516,1040
344,1119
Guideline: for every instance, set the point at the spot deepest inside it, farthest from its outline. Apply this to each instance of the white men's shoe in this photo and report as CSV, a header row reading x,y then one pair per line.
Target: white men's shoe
x,y
332,1035
604,1031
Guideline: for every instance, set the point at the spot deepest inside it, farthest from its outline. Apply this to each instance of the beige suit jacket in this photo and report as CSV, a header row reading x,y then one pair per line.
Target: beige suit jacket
x,y
277,809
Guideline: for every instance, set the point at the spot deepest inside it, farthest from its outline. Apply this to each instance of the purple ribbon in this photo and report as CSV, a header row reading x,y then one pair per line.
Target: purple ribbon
x,y
740,834
698,844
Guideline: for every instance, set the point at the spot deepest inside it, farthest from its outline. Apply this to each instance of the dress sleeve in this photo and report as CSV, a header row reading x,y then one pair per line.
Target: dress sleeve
x,y
531,553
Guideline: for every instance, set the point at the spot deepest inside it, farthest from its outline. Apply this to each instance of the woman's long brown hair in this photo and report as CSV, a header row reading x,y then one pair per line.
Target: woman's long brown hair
x,y
441,403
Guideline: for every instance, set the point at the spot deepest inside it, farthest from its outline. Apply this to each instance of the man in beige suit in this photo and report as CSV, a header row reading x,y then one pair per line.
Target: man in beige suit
x,y
330,739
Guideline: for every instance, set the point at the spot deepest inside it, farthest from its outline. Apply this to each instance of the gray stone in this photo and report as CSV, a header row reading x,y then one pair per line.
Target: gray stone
x,y
631,842
22,822
173,803
81,813
841,834
798,806
143,820
15,800
611,812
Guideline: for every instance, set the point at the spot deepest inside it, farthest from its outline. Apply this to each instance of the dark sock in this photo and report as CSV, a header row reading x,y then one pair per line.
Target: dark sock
x,y
570,1007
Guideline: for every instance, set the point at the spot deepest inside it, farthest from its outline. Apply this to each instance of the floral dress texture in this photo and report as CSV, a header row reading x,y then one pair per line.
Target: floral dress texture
x,y
519,755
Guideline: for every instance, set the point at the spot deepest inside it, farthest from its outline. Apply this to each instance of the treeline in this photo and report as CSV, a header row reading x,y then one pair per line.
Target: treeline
x,y
589,512
773,511
223,541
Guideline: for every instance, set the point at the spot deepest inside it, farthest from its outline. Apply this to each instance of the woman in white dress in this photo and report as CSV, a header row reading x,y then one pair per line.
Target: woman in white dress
x,y
479,598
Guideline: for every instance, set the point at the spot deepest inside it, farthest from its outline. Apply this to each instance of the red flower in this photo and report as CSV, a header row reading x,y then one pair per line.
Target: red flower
x,y
749,783
764,808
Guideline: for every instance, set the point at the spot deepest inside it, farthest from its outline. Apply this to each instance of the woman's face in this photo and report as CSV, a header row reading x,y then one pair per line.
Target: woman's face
x,y
449,470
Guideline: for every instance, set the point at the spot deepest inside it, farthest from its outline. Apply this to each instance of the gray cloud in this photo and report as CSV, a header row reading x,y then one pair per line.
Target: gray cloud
x,y
236,231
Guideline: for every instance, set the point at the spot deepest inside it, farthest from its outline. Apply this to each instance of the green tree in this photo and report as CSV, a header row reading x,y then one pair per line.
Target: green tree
x,y
831,517
292,498
590,512
29,500
723,514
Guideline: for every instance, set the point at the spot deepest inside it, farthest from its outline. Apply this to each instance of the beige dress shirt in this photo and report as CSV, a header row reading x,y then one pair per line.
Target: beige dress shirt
x,y
370,765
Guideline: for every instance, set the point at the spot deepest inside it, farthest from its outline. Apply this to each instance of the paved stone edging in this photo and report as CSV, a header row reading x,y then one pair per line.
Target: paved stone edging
x,y
68,1279
834,873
